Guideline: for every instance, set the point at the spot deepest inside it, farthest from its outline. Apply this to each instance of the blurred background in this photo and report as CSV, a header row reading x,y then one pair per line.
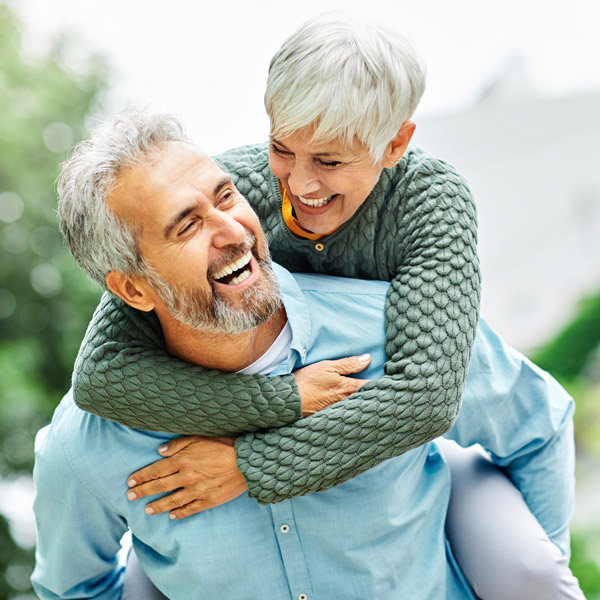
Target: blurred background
x,y
513,101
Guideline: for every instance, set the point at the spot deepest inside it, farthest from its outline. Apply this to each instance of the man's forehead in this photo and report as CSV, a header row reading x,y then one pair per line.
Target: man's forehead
x,y
175,167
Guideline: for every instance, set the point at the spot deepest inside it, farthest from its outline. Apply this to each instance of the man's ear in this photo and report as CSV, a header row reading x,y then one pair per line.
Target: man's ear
x,y
397,147
133,290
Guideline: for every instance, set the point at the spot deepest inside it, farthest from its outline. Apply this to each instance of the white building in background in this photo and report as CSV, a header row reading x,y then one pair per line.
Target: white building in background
x,y
533,164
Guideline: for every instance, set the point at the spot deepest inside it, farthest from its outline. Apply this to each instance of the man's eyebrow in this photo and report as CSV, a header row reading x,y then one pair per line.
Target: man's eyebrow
x,y
223,182
177,219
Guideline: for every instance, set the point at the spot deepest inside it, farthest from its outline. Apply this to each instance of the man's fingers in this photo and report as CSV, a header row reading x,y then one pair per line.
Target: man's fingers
x,y
156,486
350,364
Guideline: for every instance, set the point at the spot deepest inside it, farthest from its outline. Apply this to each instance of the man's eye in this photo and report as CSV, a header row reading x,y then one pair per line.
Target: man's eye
x,y
226,198
187,226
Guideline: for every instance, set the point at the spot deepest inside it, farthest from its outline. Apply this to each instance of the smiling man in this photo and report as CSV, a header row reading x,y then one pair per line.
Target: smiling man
x,y
163,228
210,266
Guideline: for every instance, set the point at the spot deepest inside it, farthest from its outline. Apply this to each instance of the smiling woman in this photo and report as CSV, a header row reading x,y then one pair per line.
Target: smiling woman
x,y
327,182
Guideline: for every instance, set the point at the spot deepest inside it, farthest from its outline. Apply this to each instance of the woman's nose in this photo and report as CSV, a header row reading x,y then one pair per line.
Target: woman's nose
x,y
303,180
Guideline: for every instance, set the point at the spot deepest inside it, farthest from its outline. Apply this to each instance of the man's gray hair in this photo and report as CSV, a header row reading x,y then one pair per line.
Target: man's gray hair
x,y
100,242
350,80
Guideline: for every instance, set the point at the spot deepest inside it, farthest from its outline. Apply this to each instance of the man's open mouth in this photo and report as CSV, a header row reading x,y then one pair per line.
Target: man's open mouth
x,y
236,271
316,202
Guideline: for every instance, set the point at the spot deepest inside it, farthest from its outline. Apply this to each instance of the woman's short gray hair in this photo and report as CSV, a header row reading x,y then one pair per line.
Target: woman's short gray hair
x,y
350,80
100,242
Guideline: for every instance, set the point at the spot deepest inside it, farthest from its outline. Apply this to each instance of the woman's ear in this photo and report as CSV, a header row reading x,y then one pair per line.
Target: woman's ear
x,y
135,291
397,147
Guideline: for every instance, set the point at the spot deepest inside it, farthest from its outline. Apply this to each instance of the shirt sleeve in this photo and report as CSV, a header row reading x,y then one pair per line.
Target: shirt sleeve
x,y
122,373
431,317
523,418
78,539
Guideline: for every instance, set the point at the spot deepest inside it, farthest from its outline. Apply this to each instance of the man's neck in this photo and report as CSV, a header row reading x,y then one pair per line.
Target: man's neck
x,y
217,351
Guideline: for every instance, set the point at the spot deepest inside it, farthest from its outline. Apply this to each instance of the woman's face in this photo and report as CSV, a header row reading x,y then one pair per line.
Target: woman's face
x,y
326,182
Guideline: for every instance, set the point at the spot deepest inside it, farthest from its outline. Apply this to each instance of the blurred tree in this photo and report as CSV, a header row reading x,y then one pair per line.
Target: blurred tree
x,y
573,357
568,354
45,300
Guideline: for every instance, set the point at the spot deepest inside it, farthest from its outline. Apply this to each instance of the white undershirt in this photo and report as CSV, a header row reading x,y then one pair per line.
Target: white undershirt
x,y
274,356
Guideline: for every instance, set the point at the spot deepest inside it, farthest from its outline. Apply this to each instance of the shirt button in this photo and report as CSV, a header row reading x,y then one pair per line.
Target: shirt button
x,y
302,597
285,528
319,247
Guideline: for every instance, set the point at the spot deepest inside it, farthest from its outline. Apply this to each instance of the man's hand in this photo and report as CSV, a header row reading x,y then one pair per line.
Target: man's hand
x,y
324,383
202,470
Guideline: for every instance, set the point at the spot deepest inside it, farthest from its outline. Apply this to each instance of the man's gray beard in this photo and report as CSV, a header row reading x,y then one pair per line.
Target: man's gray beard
x,y
208,312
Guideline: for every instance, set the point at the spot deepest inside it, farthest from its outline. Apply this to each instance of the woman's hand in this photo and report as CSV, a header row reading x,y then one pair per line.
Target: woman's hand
x,y
325,382
202,470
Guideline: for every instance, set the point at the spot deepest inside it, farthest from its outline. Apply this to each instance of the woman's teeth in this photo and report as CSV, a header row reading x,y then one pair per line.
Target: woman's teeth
x,y
233,266
315,202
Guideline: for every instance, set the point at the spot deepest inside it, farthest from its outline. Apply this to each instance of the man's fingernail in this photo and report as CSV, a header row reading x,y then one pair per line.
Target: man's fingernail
x,y
364,357
172,516
131,495
149,510
162,449
131,482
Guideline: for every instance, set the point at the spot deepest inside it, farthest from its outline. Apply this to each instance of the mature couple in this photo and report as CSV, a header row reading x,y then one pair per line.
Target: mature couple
x,y
170,234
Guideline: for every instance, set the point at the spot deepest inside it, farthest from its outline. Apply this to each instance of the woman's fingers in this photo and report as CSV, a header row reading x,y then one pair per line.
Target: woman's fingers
x,y
324,383
156,486
350,364
177,444
155,471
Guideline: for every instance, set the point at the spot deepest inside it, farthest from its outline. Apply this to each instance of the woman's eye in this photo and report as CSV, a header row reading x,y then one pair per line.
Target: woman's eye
x,y
279,151
329,164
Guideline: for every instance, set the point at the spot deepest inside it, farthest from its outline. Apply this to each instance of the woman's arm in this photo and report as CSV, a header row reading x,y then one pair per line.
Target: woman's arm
x,y
122,373
428,232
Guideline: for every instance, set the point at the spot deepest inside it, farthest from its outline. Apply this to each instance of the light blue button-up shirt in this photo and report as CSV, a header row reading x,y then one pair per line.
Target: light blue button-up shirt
x,y
378,536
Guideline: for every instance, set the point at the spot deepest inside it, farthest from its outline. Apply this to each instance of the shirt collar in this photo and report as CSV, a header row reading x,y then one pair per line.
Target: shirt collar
x,y
297,313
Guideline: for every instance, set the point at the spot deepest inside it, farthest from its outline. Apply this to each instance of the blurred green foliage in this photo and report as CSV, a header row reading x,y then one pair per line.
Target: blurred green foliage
x,y
45,300
584,548
573,358
570,352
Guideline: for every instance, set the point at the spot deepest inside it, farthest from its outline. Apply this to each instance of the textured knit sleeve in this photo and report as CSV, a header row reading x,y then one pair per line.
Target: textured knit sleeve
x,y
122,373
431,318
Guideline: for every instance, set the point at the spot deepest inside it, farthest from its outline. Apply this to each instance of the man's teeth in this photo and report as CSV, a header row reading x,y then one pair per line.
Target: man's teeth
x,y
315,202
239,278
235,265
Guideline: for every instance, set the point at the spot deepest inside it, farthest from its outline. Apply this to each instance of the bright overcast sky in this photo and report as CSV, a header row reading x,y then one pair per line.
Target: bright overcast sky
x,y
207,62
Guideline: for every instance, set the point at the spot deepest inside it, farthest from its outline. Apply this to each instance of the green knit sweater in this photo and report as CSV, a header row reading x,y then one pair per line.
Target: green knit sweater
x,y
416,229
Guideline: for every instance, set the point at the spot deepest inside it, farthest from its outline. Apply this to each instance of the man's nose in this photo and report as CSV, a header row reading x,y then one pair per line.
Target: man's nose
x,y
303,179
227,230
